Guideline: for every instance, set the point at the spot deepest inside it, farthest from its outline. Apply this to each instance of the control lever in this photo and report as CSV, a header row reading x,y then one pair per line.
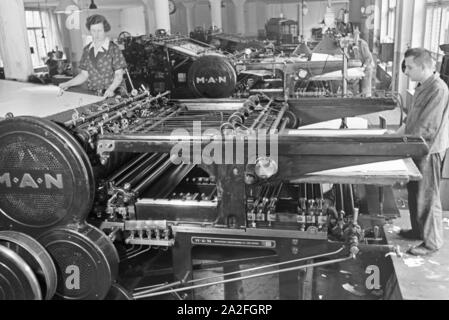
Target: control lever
x,y
133,91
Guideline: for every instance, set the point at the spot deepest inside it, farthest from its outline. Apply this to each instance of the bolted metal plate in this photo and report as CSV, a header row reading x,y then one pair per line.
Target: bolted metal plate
x,y
17,280
212,76
46,179
35,255
86,261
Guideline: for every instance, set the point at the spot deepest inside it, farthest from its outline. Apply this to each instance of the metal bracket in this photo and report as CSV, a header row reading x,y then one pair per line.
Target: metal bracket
x,y
105,146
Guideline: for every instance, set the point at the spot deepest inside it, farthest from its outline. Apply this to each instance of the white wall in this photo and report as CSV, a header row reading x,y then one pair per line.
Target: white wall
x,y
201,16
257,13
251,19
178,20
133,20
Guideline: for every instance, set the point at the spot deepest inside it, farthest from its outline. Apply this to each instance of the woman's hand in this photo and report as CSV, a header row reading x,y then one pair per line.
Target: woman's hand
x,y
64,85
108,93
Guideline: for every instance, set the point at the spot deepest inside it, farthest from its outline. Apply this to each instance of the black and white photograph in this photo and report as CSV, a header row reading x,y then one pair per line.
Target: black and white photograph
x,y
224,155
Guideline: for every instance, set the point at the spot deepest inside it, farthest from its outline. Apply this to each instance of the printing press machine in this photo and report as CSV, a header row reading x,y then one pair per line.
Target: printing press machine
x,y
79,187
192,69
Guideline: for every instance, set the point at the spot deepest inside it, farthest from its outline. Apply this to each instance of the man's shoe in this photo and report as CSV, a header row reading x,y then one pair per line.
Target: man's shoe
x,y
409,235
421,250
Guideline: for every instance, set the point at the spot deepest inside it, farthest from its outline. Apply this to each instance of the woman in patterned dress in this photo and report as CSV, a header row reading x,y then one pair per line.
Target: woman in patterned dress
x,y
102,63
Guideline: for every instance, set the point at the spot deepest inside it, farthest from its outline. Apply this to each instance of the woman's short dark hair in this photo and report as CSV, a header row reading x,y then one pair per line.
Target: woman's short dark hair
x,y
96,19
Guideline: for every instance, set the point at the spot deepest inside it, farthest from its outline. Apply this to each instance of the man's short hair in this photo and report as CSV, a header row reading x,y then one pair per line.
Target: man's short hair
x,y
96,19
421,56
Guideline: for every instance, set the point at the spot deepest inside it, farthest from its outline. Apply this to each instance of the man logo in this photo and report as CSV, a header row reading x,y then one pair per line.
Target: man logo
x,y
210,80
26,180
373,280
72,282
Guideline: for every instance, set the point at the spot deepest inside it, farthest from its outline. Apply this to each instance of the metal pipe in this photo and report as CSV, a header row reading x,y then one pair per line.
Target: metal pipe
x,y
149,287
127,167
74,123
137,254
119,114
174,111
133,170
318,264
283,125
261,114
271,265
263,121
153,289
278,119
172,181
151,166
150,179
342,202
150,120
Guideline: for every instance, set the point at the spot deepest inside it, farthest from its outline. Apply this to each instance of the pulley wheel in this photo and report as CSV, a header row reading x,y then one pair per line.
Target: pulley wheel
x,y
35,256
293,121
17,280
46,179
117,292
212,76
86,261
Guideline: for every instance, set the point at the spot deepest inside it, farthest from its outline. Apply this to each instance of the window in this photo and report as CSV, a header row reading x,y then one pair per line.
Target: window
x,y
387,35
40,36
436,27
391,19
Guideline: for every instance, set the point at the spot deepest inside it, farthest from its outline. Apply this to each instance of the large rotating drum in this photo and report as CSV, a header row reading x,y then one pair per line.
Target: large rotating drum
x,y
46,179
212,76
17,279
86,261
34,257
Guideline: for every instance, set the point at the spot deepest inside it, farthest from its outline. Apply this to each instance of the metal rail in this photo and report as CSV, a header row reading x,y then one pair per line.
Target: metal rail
x,y
155,291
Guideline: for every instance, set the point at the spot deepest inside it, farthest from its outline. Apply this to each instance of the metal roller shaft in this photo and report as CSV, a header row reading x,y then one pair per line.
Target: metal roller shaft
x,y
150,179
283,124
120,114
74,123
173,180
164,115
127,167
262,113
152,165
275,125
134,170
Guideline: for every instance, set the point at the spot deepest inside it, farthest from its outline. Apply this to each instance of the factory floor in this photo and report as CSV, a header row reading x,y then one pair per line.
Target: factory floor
x,y
418,278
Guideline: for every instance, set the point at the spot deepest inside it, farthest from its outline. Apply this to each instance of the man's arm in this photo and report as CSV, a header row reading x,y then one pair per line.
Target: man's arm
x,y
368,57
78,80
118,78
